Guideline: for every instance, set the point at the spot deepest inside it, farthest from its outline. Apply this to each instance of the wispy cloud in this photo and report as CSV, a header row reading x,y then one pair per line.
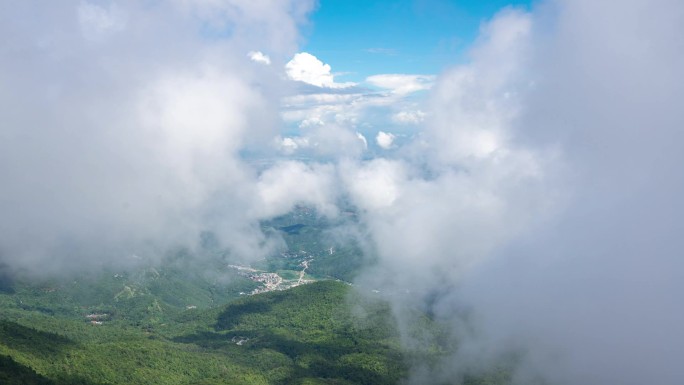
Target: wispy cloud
x,y
402,84
383,51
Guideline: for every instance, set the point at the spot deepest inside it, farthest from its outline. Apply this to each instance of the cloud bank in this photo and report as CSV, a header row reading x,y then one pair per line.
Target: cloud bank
x,y
123,122
538,211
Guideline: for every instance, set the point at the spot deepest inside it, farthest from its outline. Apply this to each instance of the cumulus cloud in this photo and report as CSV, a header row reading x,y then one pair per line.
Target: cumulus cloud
x,y
319,109
325,141
259,57
357,109
409,117
290,145
385,140
354,104
307,68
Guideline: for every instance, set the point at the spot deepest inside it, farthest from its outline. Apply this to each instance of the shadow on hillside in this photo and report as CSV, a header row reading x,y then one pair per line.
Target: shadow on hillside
x,y
323,359
307,325
292,229
14,373
214,340
6,280
235,312
32,341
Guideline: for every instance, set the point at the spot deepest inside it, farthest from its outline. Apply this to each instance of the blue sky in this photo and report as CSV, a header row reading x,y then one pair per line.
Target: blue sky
x,y
362,38
376,51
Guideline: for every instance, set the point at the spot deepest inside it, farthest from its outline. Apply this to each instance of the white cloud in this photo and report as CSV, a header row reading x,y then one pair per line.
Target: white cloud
x,y
375,185
311,121
320,109
474,104
326,141
353,106
402,84
385,140
550,209
409,117
341,103
259,57
97,22
459,193
286,184
305,67
362,139
252,20
290,145
140,141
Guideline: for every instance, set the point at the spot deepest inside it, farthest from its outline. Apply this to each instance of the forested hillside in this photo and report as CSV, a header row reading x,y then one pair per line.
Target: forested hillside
x,y
197,319
305,335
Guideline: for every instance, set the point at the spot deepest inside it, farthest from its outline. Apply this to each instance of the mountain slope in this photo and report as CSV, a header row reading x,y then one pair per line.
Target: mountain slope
x,y
304,335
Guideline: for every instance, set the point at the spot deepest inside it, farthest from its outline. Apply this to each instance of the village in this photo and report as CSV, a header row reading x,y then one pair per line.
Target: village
x,y
97,318
272,281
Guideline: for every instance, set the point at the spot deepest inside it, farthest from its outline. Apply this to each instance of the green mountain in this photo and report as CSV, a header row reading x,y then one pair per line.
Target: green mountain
x,y
305,335
197,319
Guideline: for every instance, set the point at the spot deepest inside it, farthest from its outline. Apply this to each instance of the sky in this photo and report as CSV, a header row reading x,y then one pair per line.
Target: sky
x,y
524,188
372,63
363,38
